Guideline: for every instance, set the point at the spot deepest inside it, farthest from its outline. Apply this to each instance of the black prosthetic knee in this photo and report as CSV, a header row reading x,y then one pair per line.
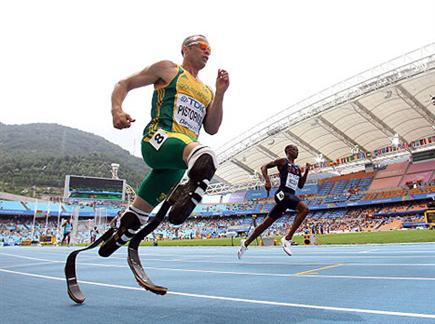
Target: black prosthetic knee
x,y
129,226
190,191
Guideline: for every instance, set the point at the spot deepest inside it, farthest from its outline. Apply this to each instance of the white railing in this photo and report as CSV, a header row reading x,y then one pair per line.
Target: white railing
x,y
220,188
383,75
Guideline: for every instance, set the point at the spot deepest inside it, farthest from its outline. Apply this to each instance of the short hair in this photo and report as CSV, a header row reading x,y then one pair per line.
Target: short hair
x,y
290,146
191,39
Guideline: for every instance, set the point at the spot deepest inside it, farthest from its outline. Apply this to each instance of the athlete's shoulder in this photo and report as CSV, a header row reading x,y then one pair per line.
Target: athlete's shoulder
x,y
298,167
165,64
164,71
282,162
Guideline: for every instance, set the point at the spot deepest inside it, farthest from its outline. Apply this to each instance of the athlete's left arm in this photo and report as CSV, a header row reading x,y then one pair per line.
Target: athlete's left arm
x,y
213,119
303,179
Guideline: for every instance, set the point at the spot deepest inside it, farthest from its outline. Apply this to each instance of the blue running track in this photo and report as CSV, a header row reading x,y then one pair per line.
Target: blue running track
x,y
324,284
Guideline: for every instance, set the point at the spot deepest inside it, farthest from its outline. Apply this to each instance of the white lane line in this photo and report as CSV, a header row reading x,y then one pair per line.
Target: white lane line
x,y
233,262
63,261
370,277
292,275
392,264
277,253
237,262
344,260
144,258
370,251
263,274
353,255
24,265
300,253
31,258
240,300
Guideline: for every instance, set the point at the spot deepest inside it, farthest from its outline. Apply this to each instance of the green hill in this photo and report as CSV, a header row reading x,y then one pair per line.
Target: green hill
x,y
40,155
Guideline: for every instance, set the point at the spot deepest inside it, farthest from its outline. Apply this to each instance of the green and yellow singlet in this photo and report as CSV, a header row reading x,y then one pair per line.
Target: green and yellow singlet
x,y
180,106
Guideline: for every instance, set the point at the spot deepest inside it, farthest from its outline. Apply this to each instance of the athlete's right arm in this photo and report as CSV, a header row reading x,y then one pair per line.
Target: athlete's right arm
x,y
158,73
277,163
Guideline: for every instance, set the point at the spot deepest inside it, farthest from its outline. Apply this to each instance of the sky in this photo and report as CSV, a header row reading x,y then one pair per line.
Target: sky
x,y
60,60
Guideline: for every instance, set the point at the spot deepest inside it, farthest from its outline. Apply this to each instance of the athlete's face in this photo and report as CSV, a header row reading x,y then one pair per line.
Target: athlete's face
x,y
292,152
198,52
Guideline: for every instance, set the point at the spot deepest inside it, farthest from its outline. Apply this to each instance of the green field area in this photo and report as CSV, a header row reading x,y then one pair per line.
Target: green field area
x,y
401,236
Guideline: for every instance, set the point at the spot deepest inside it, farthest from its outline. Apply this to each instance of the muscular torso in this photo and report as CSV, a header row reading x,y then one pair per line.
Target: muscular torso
x,y
179,103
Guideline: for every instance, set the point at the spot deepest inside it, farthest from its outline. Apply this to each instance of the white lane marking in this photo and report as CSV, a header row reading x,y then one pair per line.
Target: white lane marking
x,y
241,300
275,252
265,274
370,251
24,265
370,277
293,275
234,262
300,253
284,263
343,259
31,258
63,262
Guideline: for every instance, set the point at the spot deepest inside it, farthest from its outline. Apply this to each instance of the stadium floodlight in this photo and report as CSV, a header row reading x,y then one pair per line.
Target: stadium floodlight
x,y
354,149
395,141
115,168
319,159
388,94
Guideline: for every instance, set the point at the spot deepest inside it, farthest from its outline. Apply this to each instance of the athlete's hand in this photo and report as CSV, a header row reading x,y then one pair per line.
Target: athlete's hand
x,y
268,185
222,81
122,120
307,166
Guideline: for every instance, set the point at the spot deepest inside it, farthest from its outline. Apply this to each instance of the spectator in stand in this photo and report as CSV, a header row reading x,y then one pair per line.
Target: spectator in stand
x,y
93,234
67,229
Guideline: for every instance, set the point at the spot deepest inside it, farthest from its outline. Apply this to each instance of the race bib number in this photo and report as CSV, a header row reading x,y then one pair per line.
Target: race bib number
x,y
158,139
292,181
189,113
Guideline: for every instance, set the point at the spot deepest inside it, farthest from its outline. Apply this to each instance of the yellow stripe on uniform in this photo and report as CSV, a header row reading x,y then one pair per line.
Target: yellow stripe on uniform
x,y
160,96
184,138
155,121
179,129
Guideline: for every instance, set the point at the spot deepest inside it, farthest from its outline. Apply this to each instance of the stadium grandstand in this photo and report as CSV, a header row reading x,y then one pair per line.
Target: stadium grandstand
x,y
370,140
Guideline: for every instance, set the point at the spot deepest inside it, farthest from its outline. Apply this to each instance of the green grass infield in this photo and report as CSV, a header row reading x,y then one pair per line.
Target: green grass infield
x,y
400,236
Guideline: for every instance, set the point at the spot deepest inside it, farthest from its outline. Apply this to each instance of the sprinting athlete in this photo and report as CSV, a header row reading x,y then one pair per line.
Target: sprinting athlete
x,y
291,177
181,106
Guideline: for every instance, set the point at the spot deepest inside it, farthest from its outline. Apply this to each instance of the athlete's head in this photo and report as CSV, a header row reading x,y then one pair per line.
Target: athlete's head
x,y
291,151
196,49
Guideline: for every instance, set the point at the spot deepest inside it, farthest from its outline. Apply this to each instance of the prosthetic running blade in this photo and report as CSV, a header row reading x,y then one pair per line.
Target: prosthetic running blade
x,y
133,253
73,288
141,277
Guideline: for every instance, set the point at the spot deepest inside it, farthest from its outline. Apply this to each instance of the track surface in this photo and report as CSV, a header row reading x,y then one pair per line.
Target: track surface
x,y
326,284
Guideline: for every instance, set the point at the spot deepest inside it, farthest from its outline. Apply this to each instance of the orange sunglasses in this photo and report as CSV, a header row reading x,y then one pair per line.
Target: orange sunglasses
x,y
202,45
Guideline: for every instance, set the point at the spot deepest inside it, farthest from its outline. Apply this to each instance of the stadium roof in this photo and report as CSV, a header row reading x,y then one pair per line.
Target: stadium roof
x,y
362,113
